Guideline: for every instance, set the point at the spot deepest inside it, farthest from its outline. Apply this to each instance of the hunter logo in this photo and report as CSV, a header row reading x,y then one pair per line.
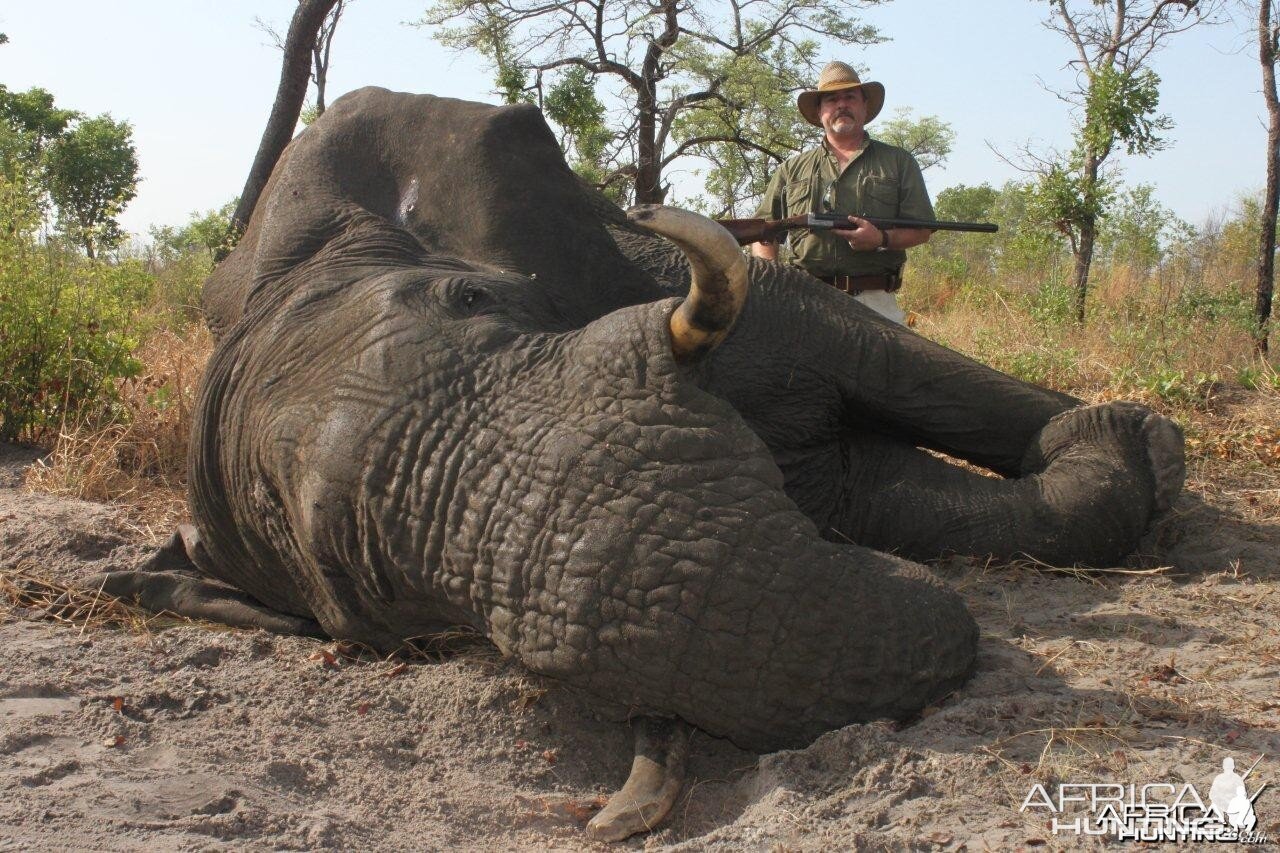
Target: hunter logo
x,y
1154,812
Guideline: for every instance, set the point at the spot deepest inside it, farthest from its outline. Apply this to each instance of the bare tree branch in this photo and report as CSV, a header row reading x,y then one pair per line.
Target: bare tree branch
x,y
661,61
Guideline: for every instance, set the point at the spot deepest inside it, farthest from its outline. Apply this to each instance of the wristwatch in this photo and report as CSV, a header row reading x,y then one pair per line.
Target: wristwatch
x,y
884,240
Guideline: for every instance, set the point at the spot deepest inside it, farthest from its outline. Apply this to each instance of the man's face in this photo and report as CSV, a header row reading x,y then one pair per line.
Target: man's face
x,y
843,113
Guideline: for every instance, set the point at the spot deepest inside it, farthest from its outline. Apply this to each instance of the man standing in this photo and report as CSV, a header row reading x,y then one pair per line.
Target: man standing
x,y
850,173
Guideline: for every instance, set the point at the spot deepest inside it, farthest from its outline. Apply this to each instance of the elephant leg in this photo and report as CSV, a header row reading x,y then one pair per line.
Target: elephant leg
x,y
805,363
165,582
657,774
1095,475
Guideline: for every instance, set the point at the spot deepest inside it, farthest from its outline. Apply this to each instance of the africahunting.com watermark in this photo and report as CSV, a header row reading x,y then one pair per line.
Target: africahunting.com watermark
x,y
1156,811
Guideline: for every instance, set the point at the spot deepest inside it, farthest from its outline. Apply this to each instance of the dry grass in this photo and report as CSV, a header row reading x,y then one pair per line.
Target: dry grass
x,y
139,461
1170,334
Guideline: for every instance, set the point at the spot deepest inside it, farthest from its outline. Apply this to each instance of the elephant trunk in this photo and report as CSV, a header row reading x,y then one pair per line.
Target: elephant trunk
x,y
638,544
719,286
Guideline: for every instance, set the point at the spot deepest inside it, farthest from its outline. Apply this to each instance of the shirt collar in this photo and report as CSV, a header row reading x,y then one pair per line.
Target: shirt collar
x,y
831,156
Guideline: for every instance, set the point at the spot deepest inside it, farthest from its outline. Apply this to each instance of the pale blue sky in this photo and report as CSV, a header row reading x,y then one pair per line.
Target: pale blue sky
x,y
197,79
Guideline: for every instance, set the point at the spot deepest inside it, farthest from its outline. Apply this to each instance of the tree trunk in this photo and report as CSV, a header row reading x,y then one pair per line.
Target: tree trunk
x,y
295,73
1088,234
649,188
1084,260
1267,240
321,76
648,168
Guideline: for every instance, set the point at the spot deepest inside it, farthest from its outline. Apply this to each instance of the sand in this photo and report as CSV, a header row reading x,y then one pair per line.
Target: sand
x,y
163,736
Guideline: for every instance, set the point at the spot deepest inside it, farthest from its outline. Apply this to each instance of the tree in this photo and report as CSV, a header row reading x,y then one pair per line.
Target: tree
x,y
688,76
1017,256
29,122
1139,229
93,173
929,138
33,115
744,146
1268,48
1116,97
295,69
204,233
321,50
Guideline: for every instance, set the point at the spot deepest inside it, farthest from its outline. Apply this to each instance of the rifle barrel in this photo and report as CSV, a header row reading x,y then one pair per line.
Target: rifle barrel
x,y
747,231
827,220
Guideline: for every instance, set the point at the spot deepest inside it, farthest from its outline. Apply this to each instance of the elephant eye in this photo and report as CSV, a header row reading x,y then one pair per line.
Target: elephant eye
x,y
473,297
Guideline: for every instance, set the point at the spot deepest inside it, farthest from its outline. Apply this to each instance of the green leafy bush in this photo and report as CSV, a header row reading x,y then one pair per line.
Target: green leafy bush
x,y
67,334
1052,303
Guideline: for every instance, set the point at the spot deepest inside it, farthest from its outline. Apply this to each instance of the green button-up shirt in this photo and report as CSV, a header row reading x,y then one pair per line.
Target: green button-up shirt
x,y
880,180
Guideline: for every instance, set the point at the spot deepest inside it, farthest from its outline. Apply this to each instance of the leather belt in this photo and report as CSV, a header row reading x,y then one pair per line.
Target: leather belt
x,y
854,284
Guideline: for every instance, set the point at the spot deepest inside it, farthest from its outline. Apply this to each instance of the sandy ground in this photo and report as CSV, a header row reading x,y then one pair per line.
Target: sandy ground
x,y
163,736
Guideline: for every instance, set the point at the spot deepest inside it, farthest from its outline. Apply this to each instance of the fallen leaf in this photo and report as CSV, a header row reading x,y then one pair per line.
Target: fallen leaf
x,y
1168,673
117,704
526,699
396,670
327,657
348,650
550,756
1233,736
1025,769
942,838
362,708
113,741
583,810
522,744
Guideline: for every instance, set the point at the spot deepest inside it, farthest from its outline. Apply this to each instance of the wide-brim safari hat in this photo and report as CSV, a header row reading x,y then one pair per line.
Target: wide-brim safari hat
x,y
835,78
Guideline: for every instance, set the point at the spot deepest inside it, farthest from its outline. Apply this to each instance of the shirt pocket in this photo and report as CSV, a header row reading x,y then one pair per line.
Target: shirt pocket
x,y
799,197
881,194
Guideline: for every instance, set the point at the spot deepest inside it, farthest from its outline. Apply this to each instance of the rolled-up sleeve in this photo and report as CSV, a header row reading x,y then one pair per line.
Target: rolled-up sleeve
x,y
771,204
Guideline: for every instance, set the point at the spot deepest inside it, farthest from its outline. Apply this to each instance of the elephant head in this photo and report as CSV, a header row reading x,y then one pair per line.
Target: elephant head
x,y
454,386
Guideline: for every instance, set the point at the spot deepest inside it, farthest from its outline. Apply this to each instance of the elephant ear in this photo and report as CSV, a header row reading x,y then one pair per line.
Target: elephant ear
x,y
482,184
225,290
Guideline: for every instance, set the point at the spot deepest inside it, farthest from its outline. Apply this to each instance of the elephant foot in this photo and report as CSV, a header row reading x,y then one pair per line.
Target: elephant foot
x,y
175,592
170,581
657,774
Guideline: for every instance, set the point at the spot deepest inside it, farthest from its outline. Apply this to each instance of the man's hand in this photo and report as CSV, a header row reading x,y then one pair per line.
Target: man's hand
x,y
861,235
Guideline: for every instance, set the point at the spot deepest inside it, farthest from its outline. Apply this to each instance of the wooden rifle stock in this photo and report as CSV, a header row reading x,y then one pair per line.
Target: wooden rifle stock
x,y
747,231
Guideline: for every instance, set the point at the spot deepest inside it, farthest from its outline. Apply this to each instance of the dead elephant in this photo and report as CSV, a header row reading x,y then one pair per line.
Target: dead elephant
x,y
454,387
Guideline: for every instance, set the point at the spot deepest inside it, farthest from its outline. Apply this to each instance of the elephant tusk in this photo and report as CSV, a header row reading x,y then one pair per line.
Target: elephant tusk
x,y
719,286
